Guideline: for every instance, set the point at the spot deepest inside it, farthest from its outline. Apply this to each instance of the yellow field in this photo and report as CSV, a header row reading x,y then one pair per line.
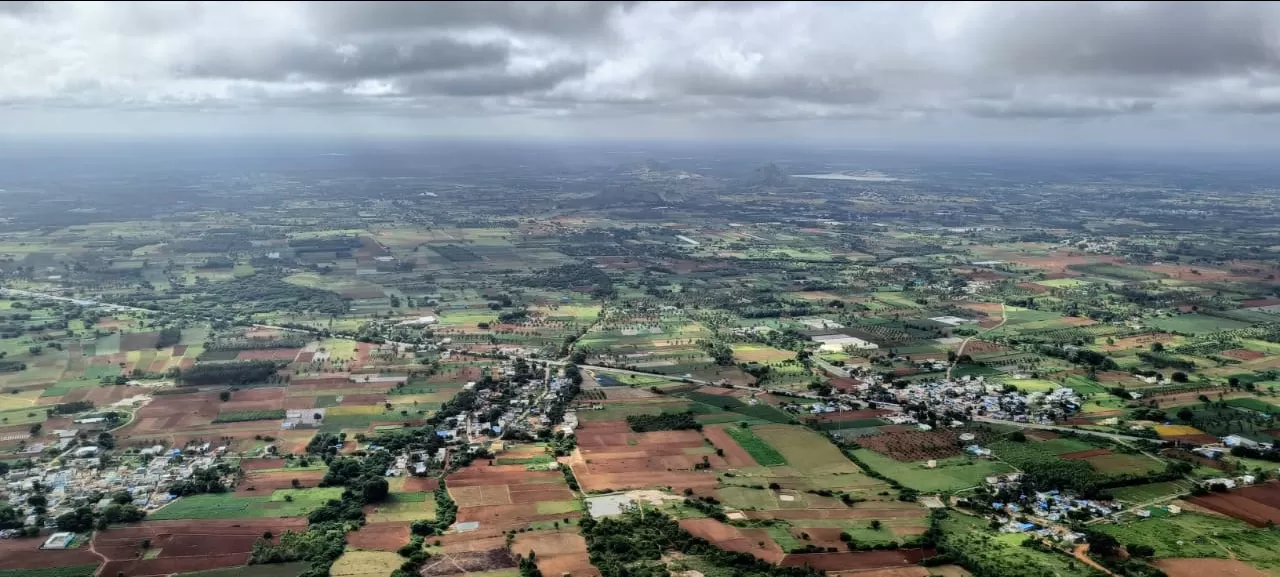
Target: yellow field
x,y
355,410
21,400
1177,430
410,511
365,564
761,353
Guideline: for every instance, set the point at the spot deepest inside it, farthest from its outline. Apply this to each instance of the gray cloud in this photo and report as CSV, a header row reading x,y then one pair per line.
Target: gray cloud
x,y
570,19
348,62
1065,109
1136,38
653,64
495,83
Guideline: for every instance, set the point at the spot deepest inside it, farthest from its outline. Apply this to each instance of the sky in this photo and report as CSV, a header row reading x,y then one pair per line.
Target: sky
x,y
1178,73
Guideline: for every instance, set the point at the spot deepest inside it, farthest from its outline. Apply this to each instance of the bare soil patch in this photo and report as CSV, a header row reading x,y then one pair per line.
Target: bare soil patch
x,y
1203,567
857,559
380,536
1080,455
1243,354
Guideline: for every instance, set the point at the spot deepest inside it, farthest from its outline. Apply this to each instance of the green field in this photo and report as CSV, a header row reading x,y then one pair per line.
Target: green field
x,y
736,405
759,450
1254,404
1195,535
951,474
1151,492
230,506
1195,324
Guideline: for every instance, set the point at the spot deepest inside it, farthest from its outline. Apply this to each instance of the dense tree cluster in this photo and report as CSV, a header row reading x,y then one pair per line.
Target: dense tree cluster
x,y
231,373
663,422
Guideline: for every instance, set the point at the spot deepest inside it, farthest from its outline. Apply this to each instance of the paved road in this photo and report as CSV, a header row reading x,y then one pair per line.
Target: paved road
x,y
1111,436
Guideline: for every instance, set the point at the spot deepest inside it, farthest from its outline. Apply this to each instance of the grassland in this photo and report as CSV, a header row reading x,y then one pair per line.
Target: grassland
x,y
951,474
281,503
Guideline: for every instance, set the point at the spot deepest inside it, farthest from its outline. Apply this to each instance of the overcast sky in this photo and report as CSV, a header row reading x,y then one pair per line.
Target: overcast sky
x,y
1080,72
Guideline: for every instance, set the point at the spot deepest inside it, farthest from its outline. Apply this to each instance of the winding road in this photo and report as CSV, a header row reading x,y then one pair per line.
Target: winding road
x,y
1004,318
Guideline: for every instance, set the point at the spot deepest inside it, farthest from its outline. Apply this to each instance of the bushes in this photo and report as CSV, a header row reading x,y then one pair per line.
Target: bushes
x,y
232,373
663,422
242,416
446,514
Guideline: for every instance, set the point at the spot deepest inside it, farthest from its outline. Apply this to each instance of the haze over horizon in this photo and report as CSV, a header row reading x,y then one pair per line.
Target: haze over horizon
x,y
1171,74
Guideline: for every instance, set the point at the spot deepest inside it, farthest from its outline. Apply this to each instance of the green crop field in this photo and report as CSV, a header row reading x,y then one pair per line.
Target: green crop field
x,y
759,450
1195,324
273,570
1150,492
950,474
230,506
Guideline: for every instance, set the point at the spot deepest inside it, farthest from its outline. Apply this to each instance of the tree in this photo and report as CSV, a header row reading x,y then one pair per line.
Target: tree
x,y
224,396
1179,377
1157,347
1186,414
875,524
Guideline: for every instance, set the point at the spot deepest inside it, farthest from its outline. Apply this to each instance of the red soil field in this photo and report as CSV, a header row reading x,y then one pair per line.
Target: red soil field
x,y
1254,505
1080,455
250,465
1039,435
1243,354
734,454
26,554
179,350
914,445
1203,567
258,394
264,483
1033,287
520,495
380,536
268,355
559,553
305,357
420,484
185,545
731,538
857,559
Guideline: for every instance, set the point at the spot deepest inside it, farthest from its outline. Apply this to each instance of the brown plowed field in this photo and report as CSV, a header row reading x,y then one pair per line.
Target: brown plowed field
x,y
558,553
262,483
258,394
734,455
468,562
731,538
186,546
417,484
857,559
1254,505
26,554
914,445
523,494
1080,455
1243,354
1207,567
380,536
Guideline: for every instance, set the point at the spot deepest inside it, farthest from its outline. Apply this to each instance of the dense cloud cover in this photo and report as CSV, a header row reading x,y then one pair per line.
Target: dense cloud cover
x,y
631,64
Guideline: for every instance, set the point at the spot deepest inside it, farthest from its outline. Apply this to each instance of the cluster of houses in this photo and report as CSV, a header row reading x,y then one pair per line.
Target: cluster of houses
x,y
72,480
975,397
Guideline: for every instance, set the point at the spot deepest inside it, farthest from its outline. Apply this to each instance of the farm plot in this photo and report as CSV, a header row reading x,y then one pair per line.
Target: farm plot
x,y
913,446
365,564
950,474
1255,505
185,546
557,552
757,448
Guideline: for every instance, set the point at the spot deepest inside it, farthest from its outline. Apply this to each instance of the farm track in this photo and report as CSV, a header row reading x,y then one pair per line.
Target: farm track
x,y
1004,318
